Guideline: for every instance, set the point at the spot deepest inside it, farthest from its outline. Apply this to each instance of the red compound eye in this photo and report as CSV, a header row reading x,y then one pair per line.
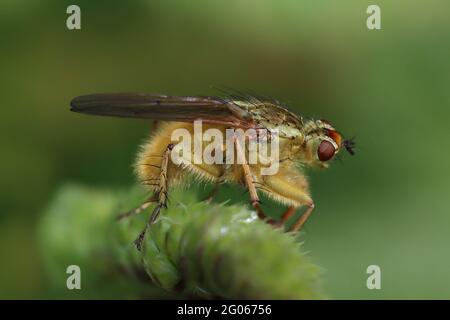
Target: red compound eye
x,y
325,151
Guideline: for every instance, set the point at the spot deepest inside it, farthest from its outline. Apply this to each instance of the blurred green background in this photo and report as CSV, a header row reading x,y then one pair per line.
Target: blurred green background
x,y
388,205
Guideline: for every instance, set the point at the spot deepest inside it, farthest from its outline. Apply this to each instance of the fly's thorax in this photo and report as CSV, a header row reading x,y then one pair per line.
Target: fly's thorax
x,y
286,131
291,147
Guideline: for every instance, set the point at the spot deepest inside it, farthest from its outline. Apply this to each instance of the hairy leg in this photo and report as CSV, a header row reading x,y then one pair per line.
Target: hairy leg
x,y
248,178
138,209
298,224
161,196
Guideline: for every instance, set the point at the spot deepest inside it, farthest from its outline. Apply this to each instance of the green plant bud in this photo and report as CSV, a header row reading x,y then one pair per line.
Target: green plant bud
x,y
194,249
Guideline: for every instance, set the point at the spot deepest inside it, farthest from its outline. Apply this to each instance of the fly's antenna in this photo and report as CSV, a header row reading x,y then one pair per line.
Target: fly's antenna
x,y
349,145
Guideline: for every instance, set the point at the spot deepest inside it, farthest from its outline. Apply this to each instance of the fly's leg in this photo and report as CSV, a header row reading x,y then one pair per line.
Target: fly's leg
x,y
138,209
298,224
161,196
256,203
287,215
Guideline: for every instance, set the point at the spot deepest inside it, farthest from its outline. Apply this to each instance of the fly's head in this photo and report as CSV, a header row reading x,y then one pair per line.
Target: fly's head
x,y
322,143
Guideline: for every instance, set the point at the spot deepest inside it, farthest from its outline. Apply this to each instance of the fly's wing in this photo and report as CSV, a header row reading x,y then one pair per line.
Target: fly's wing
x,y
160,107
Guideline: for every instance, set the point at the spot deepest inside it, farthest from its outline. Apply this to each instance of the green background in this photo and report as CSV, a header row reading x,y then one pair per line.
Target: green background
x,y
388,205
